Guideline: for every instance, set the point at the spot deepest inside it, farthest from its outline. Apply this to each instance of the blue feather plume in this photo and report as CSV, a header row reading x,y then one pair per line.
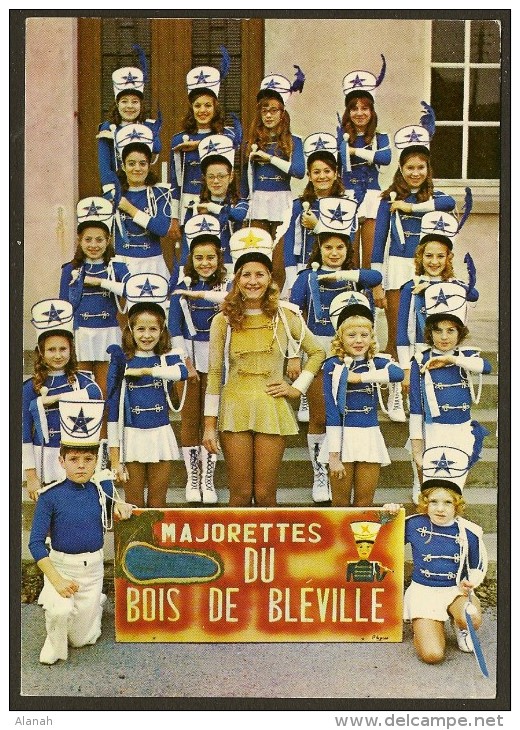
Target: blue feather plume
x,y
479,432
237,130
225,62
339,130
143,61
468,205
297,84
428,119
382,72
472,271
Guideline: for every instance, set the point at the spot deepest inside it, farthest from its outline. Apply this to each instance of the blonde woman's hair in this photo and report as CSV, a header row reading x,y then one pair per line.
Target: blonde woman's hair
x,y
337,347
448,272
458,501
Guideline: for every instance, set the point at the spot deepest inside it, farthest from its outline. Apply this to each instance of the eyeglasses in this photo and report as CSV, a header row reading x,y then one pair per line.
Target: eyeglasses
x,y
271,110
219,176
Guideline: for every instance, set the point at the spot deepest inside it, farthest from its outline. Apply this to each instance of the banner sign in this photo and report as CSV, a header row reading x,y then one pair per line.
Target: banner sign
x,y
259,575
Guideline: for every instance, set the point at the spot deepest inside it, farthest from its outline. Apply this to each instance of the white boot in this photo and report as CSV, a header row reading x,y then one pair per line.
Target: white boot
x,y
395,403
209,462
416,489
321,484
303,410
191,460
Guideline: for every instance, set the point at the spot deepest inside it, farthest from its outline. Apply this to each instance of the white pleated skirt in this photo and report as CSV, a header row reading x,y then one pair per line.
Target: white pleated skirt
x,y
91,342
150,445
148,265
369,204
199,353
428,601
359,444
399,270
270,206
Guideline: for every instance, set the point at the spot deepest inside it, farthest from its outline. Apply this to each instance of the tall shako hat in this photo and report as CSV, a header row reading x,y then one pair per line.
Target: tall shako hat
x,y
276,86
95,211
206,79
133,134
203,226
251,244
445,466
417,137
216,148
366,531
362,83
80,420
446,300
441,226
146,291
53,317
320,145
131,79
349,304
336,215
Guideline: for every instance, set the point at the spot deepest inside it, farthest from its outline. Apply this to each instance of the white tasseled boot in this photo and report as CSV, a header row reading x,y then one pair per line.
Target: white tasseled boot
x,y
395,406
321,485
191,460
209,462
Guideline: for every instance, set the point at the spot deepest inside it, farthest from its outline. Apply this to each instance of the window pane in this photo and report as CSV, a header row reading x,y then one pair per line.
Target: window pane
x,y
485,41
447,41
484,95
447,93
446,152
484,153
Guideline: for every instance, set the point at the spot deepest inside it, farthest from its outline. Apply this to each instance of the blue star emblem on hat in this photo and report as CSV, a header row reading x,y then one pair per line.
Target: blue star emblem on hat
x,y
147,289
80,422
92,209
135,134
202,78
53,314
353,300
442,298
415,136
337,214
212,147
319,144
272,84
442,464
130,78
358,81
440,225
204,225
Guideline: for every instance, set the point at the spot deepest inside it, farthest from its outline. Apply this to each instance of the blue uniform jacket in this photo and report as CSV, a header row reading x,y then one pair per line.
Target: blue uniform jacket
x,y
71,514
443,555
202,312
93,305
386,233
230,218
270,178
301,295
363,175
143,241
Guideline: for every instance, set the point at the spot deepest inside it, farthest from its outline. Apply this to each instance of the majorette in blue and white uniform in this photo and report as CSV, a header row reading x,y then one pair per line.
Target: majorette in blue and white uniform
x,y
352,423
360,174
189,319
138,238
138,417
441,398
95,307
214,149
185,172
441,227
299,240
315,287
268,184
127,80
397,234
41,424
443,556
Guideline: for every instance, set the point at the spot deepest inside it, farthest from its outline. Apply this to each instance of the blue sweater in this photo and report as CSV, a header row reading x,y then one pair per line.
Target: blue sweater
x,y
268,177
71,514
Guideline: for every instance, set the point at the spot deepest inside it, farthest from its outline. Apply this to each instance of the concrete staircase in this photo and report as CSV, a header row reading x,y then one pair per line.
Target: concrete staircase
x,y
295,478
